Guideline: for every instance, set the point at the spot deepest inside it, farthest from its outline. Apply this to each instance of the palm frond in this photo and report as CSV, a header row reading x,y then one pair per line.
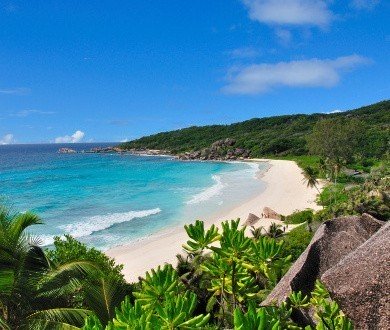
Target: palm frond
x,y
103,295
75,269
21,222
3,324
59,318
6,281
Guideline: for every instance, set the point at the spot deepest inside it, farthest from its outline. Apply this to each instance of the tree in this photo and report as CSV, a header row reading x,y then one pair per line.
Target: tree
x,y
310,177
24,270
337,139
38,293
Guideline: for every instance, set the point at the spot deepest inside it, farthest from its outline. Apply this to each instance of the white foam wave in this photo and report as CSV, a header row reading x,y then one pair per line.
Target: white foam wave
x,y
253,168
101,222
208,193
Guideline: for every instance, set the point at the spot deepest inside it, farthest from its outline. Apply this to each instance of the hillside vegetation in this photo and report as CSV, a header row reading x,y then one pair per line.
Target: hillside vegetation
x,y
273,136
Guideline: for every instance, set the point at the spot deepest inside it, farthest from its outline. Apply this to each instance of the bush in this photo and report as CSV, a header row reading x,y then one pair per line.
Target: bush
x,y
333,193
69,249
296,241
300,217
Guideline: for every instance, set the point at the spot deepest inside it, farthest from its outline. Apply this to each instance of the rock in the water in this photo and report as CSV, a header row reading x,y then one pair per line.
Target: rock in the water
x,y
360,282
333,240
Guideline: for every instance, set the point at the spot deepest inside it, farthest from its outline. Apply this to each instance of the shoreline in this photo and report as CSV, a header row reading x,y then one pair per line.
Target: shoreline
x,y
284,192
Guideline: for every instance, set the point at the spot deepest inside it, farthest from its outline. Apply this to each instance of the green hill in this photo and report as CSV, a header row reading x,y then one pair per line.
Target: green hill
x,y
271,136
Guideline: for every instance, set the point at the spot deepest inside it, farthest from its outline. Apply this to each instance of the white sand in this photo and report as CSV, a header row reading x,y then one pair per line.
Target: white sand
x,y
285,192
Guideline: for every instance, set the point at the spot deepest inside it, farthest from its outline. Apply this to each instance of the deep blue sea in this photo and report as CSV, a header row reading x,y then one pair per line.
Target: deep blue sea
x,y
109,199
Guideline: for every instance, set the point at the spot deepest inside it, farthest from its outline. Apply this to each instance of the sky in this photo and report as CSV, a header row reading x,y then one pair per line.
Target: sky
x,y
99,70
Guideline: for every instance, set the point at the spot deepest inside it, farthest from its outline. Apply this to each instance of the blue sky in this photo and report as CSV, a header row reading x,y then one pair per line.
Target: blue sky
x,y
73,71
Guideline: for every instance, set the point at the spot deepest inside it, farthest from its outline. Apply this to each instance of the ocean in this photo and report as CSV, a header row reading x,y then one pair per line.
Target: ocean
x,y
105,200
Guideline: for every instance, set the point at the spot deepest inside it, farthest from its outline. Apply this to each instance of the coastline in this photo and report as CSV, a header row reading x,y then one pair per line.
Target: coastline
x,y
285,192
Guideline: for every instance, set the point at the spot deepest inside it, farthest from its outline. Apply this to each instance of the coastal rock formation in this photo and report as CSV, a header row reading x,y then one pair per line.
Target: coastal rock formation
x,y
102,150
220,150
333,241
66,151
360,282
270,213
251,220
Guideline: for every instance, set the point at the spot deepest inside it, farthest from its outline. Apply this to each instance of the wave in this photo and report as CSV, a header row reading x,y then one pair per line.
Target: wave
x,y
253,168
101,222
208,193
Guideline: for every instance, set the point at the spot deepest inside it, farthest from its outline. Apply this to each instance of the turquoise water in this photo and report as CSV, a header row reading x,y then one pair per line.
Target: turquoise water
x,y
108,199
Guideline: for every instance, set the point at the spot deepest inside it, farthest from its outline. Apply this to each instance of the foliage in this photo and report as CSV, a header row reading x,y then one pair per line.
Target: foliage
x,y
275,136
157,286
109,284
300,217
327,312
310,177
372,196
337,139
68,249
200,239
296,241
23,267
235,271
229,271
39,293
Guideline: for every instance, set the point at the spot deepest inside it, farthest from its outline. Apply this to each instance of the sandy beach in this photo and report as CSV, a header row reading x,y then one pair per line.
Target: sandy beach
x,y
285,193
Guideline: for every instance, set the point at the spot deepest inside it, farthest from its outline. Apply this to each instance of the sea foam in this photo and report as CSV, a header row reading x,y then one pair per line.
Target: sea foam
x,y
208,193
101,222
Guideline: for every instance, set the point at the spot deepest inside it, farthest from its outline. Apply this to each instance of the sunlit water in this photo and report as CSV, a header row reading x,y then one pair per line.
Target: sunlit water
x,y
108,199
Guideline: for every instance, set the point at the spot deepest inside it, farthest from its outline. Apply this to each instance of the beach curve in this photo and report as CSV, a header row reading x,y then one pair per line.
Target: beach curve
x,y
285,193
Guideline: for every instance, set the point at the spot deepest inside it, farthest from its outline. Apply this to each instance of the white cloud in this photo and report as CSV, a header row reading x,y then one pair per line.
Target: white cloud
x,y
25,113
284,36
7,139
261,78
290,12
364,4
15,91
334,111
74,138
244,52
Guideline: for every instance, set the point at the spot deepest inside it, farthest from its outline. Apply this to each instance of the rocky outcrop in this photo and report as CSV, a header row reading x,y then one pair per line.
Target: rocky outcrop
x,y
350,255
360,282
333,240
251,220
66,151
220,150
271,214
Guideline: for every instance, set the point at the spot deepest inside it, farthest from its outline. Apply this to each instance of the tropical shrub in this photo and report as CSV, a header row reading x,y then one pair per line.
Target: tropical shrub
x,y
33,290
300,217
296,241
67,249
326,312
228,272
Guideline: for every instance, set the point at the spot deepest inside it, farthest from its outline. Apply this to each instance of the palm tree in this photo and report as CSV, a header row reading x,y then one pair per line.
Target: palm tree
x,y
23,267
323,166
275,231
257,232
310,177
36,293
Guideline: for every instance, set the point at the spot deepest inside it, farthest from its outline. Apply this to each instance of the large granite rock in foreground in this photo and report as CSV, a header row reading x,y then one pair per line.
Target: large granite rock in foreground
x,y
333,240
360,282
